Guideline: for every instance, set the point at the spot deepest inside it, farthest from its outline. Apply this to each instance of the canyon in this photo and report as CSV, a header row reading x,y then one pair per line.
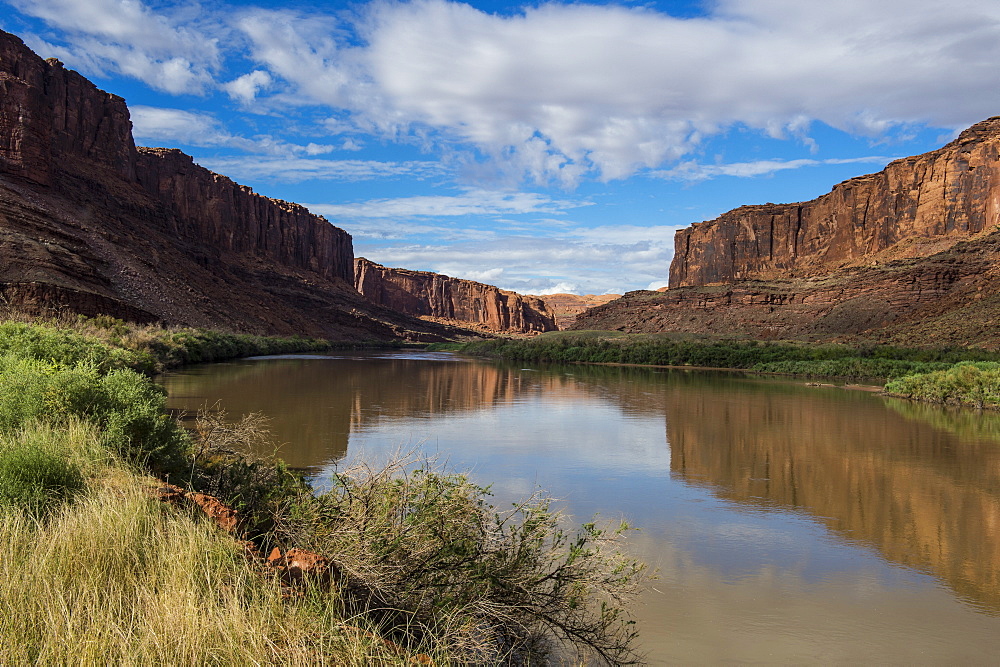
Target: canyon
x,y
907,255
440,297
92,224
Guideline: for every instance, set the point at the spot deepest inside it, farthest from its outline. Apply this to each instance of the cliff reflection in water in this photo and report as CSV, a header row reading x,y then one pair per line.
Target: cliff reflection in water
x,y
922,496
316,402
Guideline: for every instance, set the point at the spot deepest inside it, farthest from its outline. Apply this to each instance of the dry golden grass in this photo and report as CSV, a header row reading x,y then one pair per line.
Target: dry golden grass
x,y
117,577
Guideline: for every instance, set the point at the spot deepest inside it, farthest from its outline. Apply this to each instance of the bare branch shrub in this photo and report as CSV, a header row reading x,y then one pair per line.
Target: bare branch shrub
x,y
500,587
227,464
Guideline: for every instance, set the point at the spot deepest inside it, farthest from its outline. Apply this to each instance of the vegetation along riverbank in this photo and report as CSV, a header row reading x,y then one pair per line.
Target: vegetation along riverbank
x,y
139,541
953,375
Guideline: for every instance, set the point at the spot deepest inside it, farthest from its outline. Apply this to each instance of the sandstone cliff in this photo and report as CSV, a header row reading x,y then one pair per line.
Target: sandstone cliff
x,y
914,207
949,298
91,224
567,306
426,294
232,218
910,256
49,114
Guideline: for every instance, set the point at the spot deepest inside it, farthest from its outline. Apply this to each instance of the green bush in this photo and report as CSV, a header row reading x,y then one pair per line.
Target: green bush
x,y
508,586
792,358
966,383
67,347
37,471
126,407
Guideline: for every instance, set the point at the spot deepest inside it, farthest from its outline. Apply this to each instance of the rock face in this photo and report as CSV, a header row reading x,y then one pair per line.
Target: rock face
x,y
949,298
92,224
914,207
49,113
909,256
567,306
231,217
426,294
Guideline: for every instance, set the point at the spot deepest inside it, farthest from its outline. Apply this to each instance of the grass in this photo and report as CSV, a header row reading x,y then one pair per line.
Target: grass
x,y
792,358
39,469
110,343
103,572
119,578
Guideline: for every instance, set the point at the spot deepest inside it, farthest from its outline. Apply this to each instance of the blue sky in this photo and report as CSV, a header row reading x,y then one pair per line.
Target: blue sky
x,y
547,147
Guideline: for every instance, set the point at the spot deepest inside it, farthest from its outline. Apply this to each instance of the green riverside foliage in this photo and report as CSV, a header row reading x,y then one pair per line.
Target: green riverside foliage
x,y
109,344
126,407
500,586
37,470
967,383
760,356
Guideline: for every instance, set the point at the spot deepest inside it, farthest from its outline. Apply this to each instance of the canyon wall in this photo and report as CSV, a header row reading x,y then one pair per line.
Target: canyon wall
x,y
93,225
54,120
426,294
913,208
948,298
231,217
49,114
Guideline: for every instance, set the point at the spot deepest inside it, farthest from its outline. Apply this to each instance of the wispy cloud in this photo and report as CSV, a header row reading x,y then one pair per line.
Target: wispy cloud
x,y
472,202
200,129
173,49
536,266
296,169
579,259
693,171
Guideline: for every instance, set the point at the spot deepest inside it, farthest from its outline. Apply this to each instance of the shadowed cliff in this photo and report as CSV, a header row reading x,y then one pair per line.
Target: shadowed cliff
x,y
91,224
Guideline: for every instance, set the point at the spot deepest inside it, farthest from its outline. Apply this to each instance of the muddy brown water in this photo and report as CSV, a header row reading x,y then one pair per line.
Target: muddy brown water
x,y
788,523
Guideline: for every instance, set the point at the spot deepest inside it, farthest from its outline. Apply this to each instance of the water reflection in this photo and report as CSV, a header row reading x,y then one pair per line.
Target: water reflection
x,y
922,496
790,523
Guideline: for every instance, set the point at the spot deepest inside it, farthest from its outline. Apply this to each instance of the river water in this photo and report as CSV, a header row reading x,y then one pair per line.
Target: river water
x,y
787,523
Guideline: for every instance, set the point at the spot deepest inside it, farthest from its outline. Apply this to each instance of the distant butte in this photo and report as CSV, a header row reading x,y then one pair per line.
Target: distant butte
x,y
567,306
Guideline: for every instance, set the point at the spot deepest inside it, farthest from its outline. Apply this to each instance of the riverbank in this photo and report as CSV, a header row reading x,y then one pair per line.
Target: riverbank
x,y
956,376
393,565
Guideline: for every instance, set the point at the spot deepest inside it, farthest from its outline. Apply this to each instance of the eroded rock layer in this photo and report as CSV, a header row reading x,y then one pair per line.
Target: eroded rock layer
x,y
90,224
914,207
949,298
426,294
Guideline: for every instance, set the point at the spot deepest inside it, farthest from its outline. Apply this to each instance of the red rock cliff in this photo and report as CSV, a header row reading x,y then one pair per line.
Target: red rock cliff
x,y
914,207
423,293
92,225
53,119
49,114
233,218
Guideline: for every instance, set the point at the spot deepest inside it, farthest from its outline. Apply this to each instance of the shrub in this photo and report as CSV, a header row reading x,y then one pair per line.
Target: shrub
x,y
126,406
37,471
966,383
498,586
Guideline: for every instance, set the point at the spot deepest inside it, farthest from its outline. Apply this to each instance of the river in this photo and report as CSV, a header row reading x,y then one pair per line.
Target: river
x,y
787,523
